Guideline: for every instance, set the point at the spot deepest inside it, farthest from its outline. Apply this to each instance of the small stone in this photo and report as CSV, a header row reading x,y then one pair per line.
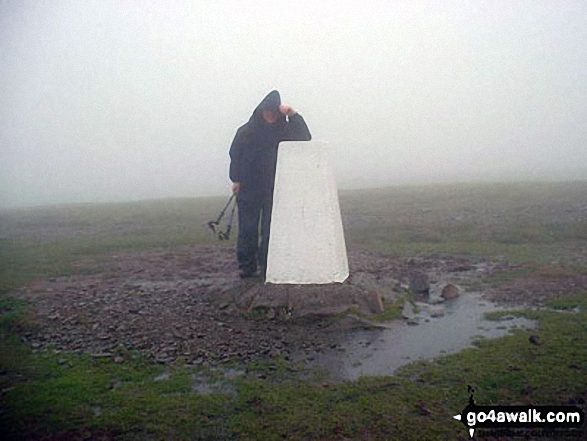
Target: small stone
x,y
460,268
176,333
62,361
374,302
408,311
436,312
535,340
6,390
422,409
419,282
102,355
118,360
162,377
450,292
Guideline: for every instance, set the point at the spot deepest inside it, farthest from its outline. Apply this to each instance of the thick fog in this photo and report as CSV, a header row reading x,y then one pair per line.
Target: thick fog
x,y
104,100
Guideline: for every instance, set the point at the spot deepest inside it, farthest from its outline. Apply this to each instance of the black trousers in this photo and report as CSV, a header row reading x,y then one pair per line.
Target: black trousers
x,y
249,253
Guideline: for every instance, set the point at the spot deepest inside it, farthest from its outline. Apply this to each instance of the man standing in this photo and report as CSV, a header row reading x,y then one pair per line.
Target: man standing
x,y
253,159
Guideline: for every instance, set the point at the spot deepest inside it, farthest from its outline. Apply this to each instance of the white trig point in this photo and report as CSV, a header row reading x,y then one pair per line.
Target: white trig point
x,y
306,243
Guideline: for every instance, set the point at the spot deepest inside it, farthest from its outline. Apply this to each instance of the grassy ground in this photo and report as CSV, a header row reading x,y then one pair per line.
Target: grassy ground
x,y
58,396
52,241
538,222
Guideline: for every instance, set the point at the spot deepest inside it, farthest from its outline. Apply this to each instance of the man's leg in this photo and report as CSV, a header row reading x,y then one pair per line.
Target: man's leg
x,y
248,236
265,231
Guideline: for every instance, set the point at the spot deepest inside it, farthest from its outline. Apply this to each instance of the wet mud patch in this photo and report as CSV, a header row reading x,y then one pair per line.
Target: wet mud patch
x,y
430,333
188,306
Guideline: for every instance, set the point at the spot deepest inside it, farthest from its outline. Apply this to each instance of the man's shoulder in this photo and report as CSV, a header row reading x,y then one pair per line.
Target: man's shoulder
x,y
243,130
244,133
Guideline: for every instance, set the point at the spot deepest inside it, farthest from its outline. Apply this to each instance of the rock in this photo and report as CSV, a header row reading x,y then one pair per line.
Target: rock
x,y
460,268
6,390
422,409
386,287
437,312
535,340
433,311
440,292
178,334
373,302
408,311
449,291
162,377
102,355
419,283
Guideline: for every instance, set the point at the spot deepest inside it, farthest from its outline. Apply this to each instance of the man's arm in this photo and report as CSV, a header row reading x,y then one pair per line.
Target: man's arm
x,y
236,160
296,129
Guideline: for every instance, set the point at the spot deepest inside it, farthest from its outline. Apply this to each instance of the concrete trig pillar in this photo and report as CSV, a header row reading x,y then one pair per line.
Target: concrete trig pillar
x,y
306,243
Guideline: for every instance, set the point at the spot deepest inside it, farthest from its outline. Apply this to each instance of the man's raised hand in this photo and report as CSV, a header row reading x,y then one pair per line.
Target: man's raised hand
x,y
287,110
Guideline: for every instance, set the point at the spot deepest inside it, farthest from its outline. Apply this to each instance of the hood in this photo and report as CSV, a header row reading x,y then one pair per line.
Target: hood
x,y
271,102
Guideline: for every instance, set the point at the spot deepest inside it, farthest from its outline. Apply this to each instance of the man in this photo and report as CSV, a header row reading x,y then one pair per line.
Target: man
x,y
253,158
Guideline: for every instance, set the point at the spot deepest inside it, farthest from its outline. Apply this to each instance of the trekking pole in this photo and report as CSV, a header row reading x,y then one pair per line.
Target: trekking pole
x,y
226,235
213,225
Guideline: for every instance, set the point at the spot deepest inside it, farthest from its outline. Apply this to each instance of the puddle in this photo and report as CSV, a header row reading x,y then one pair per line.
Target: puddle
x,y
203,385
383,351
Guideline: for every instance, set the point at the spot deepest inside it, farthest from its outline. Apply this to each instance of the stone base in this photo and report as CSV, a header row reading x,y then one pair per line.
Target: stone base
x,y
298,300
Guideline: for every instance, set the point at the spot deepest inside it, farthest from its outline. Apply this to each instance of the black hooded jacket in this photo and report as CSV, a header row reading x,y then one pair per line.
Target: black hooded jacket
x,y
253,153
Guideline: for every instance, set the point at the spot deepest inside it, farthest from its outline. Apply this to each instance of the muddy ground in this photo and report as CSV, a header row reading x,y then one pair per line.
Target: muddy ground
x,y
188,305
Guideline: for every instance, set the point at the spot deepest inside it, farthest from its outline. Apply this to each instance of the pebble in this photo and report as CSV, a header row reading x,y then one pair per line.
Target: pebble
x,y
162,377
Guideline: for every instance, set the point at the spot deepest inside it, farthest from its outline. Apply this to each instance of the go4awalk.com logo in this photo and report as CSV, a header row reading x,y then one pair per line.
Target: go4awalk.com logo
x,y
541,420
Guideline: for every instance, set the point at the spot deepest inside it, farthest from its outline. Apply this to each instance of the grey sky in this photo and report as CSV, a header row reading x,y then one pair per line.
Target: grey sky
x,y
117,100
